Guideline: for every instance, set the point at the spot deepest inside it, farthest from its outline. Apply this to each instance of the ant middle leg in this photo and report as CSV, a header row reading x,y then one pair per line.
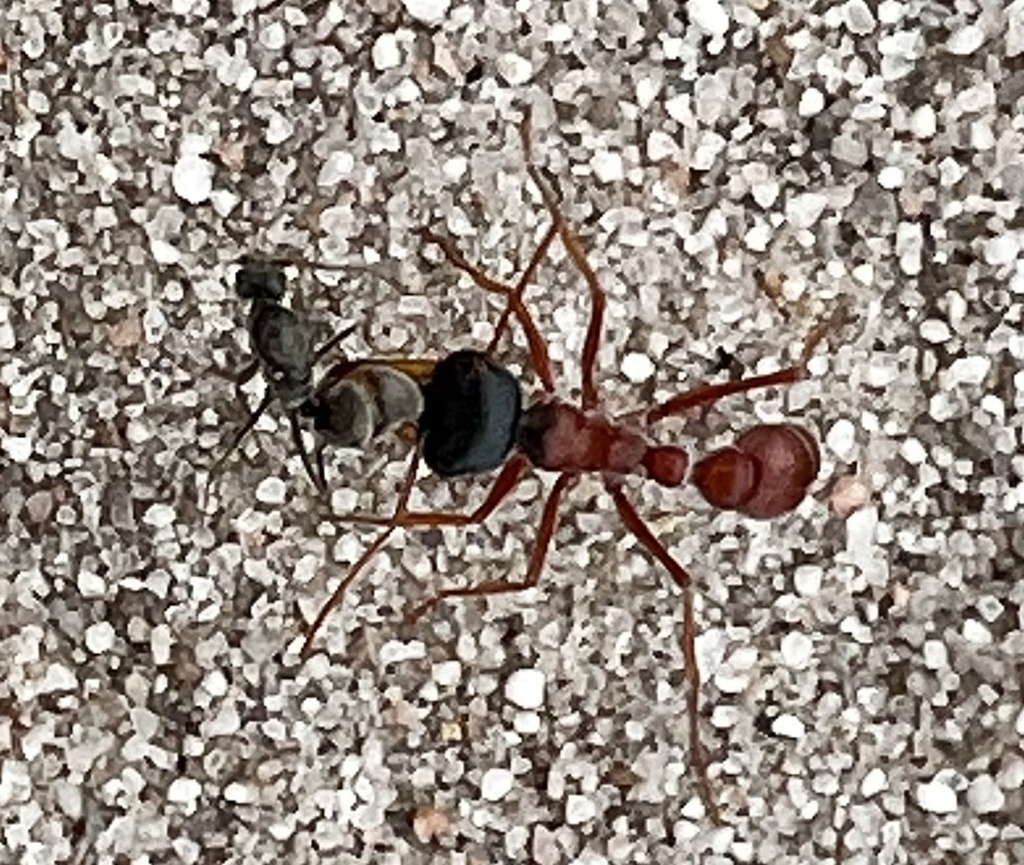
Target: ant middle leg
x,y
549,519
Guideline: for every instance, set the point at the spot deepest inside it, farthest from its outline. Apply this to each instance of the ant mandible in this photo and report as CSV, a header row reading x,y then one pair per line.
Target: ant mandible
x,y
473,421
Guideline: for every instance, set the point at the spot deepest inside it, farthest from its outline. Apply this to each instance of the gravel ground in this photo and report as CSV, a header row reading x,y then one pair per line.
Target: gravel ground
x,y
737,172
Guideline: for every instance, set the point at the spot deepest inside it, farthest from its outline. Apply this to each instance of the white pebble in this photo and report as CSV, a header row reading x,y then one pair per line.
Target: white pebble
x,y
984,795
891,177
812,101
240,794
874,782
913,451
192,178
966,40
803,210
975,632
184,791
159,516
797,650
496,784
19,448
514,69
923,123
271,491
937,797
708,15
858,17
447,673
660,145
386,53
607,166
934,330
525,688
807,580
91,584
337,167
841,439
579,809
1019,724
429,11
637,367
1002,249
970,370
936,656
789,726
100,637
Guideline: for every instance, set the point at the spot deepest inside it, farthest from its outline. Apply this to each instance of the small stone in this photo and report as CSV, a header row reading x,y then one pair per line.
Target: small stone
x,y
891,177
804,210
100,637
447,673
159,516
607,166
966,40
970,370
797,650
1003,249
937,797
873,783
525,688
923,123
428,11
934,330
859,18
807,580
579,809
637,367
984,795
496,784
271,491
935,655
192,178
184,791
789,727
708,15
913,451
19,448
841,439
385,52
240,794
975,632
812,101
514,69
849,495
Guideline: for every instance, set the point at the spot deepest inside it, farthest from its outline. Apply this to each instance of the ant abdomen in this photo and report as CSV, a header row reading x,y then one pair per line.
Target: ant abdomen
x,y
766,473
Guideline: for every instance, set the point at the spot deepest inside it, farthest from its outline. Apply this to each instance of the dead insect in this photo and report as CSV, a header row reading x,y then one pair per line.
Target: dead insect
x,y
473,421
354,400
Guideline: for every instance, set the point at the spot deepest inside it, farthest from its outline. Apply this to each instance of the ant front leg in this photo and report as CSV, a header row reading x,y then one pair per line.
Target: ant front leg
x,y
575,249
539,358
698,756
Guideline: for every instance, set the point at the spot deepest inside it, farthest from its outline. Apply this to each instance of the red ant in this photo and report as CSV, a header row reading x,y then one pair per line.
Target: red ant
x,y
473,422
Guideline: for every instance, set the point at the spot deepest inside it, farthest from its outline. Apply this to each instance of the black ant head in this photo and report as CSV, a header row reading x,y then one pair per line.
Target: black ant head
x,y
259,280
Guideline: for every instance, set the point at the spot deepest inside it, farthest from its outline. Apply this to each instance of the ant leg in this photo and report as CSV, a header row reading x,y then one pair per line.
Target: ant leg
x,y
548,521
708,394
333,341
575,249
502,486
293,419
237,439
524,280
538,348
635,523
335,599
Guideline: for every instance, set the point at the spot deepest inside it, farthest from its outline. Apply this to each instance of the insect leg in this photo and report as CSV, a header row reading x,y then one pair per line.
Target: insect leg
x,y
548,521
635,523
539,358
575,249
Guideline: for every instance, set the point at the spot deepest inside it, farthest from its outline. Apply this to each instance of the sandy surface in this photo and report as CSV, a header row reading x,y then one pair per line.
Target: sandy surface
x,y
737,172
